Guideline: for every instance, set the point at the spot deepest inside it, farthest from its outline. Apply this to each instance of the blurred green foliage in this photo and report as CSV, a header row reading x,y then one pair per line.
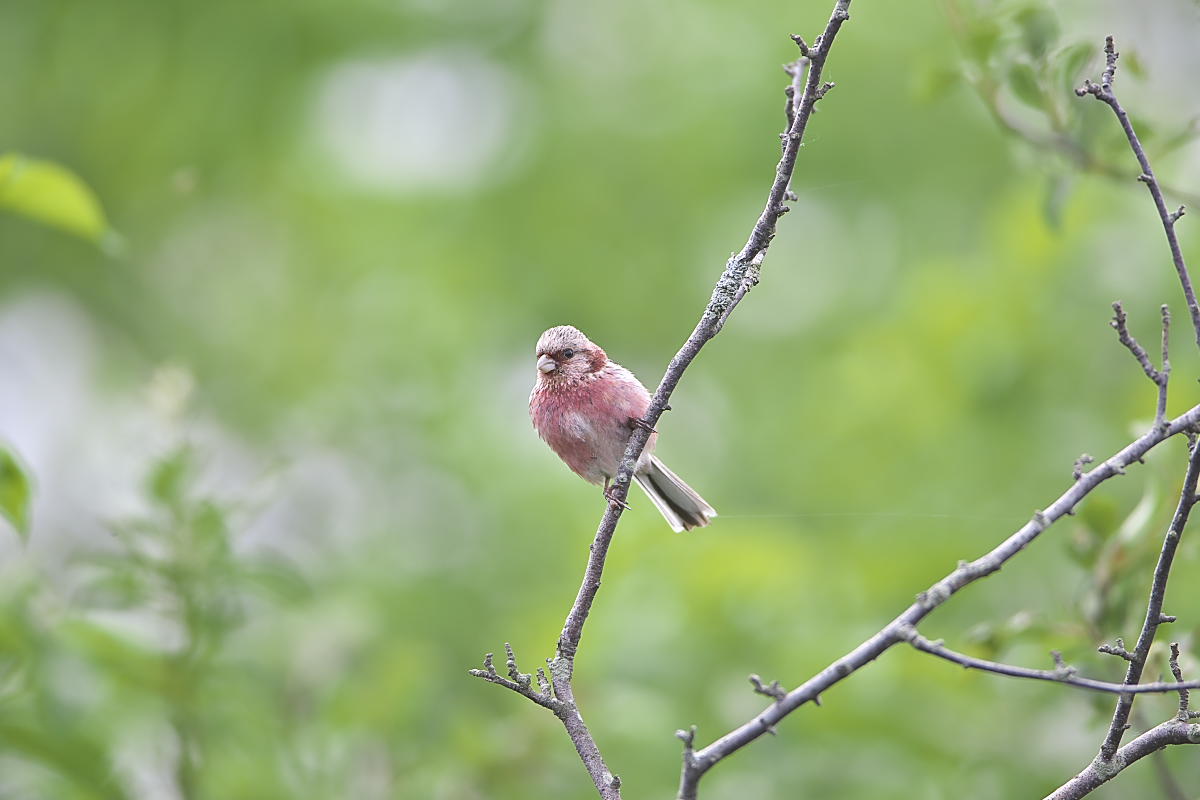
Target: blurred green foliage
x,y
14,492
44,191
287,490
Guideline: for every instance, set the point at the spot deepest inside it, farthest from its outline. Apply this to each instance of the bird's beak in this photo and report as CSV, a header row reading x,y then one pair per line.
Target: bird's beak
x,y
546,364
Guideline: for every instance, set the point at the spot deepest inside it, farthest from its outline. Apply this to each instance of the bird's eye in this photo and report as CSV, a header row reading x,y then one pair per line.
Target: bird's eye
x,y
568,353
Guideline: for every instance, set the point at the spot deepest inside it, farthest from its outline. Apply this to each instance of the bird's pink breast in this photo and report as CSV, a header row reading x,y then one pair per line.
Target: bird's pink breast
x,y
586,422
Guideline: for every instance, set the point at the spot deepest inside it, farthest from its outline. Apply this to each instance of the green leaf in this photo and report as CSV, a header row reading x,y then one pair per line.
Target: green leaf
x,y
933,82
14,493
1039,29
981,39
1024,84
168,479
1180,138
1101,516
51,194
1083,546
1072,62
1132,62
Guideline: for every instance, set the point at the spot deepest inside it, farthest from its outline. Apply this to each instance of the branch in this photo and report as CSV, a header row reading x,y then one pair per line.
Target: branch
x,y
1101,771
1060,674
516,681
739,276
724,298
1104,93
1119,650
1160,377
698,762
1154,615
1181,685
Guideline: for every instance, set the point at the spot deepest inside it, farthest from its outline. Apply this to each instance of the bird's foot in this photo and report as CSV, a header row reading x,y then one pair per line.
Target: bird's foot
x,y
610,494
638,422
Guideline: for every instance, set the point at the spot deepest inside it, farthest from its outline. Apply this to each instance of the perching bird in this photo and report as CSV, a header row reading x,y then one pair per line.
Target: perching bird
x,y
585,406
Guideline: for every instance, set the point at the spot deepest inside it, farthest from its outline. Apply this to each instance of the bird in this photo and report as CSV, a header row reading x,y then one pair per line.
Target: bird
x,y
585,406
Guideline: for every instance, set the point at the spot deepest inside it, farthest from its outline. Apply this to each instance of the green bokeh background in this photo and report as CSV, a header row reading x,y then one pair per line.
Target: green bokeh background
x,y
343,348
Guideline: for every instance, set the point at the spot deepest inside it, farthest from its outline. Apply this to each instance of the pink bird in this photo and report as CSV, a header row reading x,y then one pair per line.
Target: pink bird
x,y
585,406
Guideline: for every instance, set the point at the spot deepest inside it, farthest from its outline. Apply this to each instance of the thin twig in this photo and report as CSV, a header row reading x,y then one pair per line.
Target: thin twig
x,y
1119,650
773,690
1164,373
1060,674
521,687
700,761
1080,464
1119,323
1104,93
1160,377
1181,685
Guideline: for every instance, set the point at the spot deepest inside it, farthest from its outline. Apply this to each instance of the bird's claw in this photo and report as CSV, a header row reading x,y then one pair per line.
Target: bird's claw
x,y
638,422
611,496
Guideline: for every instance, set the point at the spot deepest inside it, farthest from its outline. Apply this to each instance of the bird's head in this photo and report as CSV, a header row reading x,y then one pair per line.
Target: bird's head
x,y
564,354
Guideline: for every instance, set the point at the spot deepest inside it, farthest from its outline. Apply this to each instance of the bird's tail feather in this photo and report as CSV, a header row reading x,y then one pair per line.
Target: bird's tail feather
x,y
675,500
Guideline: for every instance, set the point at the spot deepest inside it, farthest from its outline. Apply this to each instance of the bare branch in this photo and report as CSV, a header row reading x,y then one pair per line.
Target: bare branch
x,y
1060,674
774,689
1118,651
1101,771
1160,414
1160,377
1181,685
1119,323
1154,615
741,273
555,691
738,270
697,763
796,95
1104,94
488,673
1080,463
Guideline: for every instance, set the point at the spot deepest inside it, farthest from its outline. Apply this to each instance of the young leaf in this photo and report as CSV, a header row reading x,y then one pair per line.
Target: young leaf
x,y
168,479
1039,29
14,493
981,39
1024,84
51,194
1132,62
1072,61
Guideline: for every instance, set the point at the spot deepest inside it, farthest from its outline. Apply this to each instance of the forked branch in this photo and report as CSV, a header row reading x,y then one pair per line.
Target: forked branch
x,y
1104,93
